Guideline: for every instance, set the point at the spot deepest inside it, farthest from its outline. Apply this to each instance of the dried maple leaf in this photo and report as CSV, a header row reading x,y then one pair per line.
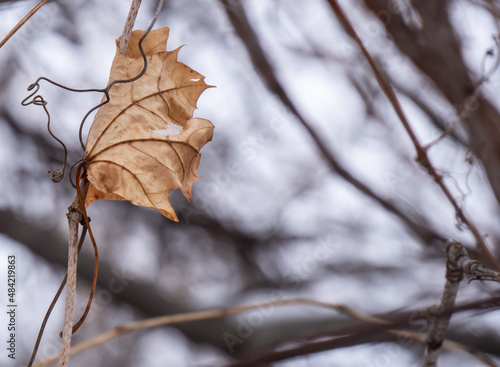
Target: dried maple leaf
x,y
144,143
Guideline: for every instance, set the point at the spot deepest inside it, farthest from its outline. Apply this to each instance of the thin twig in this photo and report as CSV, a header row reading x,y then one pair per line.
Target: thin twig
x,y
223,312
367,333
193,316
308,348
21,23
422,156
129,25
473,99
346,340
74,218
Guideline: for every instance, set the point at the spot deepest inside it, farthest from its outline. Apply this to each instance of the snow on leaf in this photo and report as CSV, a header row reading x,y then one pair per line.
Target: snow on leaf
x,y
170,129
144,142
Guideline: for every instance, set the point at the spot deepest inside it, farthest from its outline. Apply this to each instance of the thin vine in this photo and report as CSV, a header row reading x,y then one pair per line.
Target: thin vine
x,y
57,175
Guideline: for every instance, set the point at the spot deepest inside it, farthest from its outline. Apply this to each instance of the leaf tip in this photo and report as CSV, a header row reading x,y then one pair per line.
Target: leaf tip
x,y
170,215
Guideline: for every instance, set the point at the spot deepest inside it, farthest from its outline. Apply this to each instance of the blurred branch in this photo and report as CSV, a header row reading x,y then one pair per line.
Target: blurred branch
x,y
368,333
237,16
152,302
401,336
124,287
422,156
144,296
204,315
435,49
224,312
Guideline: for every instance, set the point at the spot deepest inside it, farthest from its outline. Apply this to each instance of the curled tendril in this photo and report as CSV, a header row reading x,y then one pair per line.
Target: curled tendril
x,y
57,174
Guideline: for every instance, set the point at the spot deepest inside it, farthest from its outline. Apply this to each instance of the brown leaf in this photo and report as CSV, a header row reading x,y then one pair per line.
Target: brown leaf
x,y
144,142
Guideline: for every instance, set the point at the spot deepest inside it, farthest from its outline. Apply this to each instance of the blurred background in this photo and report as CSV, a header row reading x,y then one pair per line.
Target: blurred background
x,y
309,188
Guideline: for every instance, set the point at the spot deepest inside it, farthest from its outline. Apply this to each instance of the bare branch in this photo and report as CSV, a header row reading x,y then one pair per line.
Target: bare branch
x,y
422,156
223,312
364,333
237,16
129,25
